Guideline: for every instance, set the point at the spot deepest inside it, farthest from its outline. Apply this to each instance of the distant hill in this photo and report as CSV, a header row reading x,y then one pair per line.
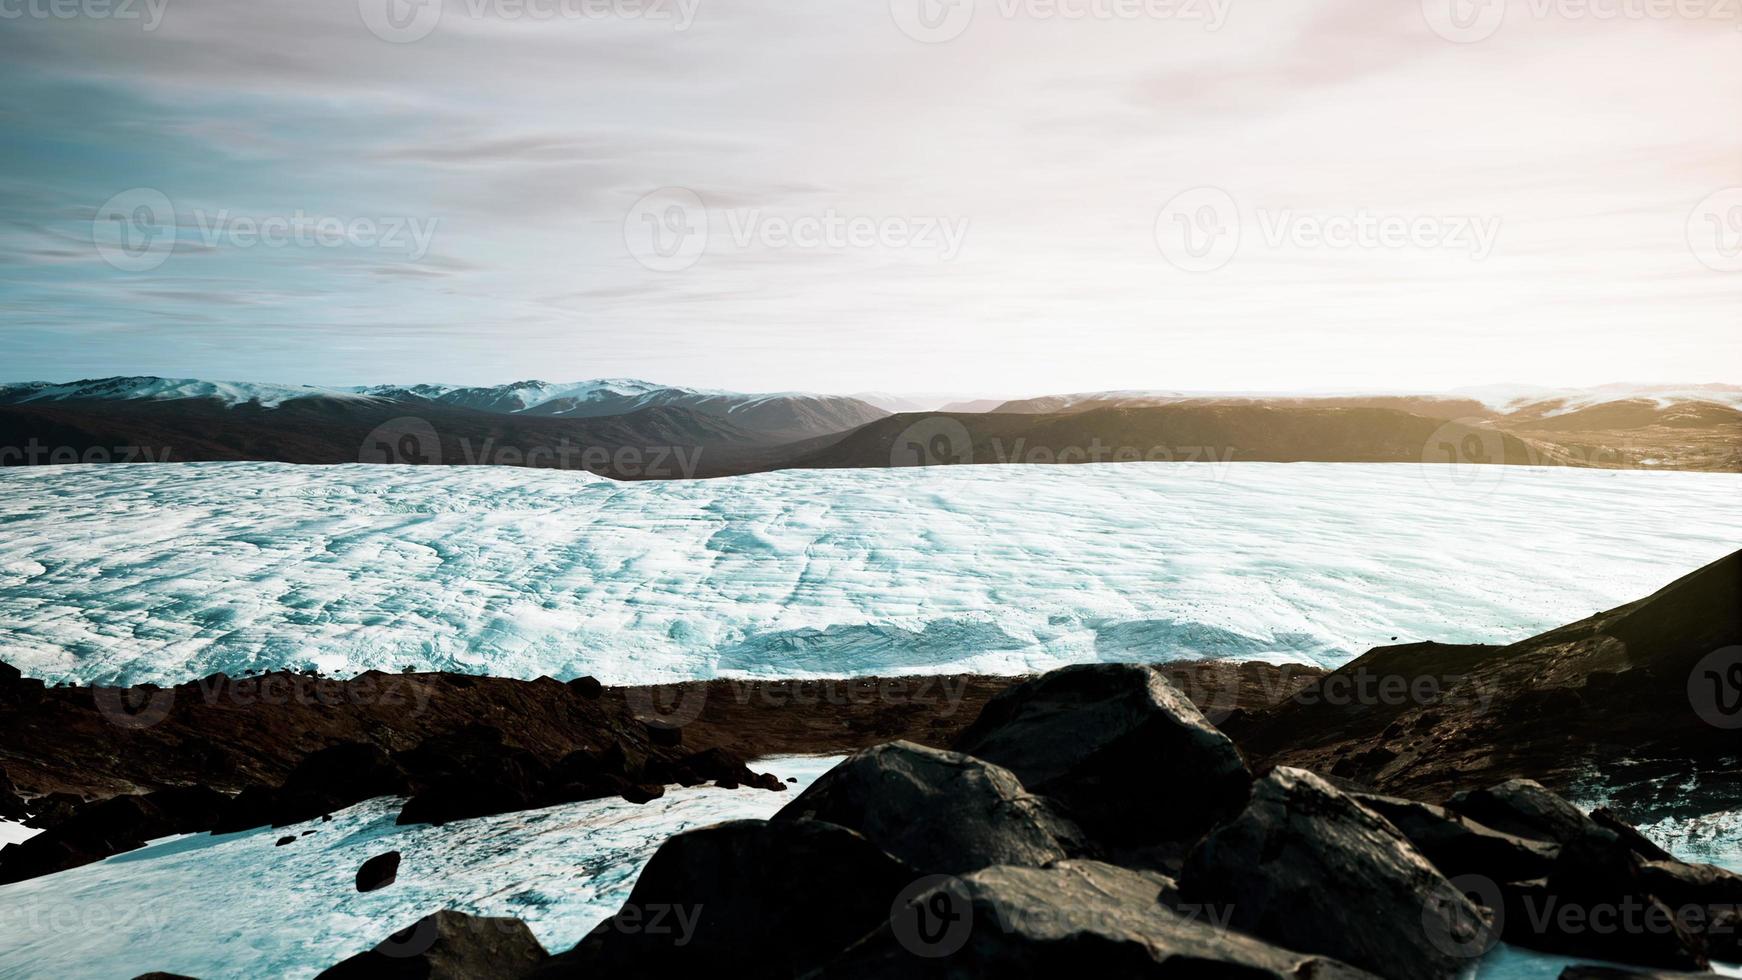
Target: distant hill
x,y
618,427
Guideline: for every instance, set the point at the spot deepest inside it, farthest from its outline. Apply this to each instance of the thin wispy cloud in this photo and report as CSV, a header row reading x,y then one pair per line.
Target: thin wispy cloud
x,y
818,140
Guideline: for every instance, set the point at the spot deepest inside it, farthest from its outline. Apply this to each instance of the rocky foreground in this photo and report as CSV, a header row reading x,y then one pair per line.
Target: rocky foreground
x,y
1395,818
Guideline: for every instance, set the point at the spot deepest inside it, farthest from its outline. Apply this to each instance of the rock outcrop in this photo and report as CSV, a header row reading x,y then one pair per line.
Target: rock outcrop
x,y
448,945
1081,918
747,898
1131,759
1306,867
940,812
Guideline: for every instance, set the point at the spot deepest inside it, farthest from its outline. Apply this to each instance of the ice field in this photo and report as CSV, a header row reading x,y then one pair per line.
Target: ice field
x,y
166,572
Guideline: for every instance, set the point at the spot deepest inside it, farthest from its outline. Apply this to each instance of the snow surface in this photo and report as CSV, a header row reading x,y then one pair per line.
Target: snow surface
x,y
163,572
237,906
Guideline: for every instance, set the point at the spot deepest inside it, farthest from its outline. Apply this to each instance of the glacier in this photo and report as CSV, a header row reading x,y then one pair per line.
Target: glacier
x,y
165,572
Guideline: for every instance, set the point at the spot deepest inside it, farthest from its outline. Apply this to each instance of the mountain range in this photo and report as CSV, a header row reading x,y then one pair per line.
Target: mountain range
x,y
619,426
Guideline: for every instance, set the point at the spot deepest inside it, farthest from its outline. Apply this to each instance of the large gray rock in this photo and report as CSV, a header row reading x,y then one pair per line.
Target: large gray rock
x,y
448,945
1306,867
939,811
1523,808
1459,846
1131,758
1078,919
746,898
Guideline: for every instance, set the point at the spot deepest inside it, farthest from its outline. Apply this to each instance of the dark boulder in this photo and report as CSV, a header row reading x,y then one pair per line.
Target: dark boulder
x,y
46,811
94,831
1306,867
1596,903
1077,919
1460,846
938,811
643,793
494,781
378,872
161,976
748,898
1523,808
11,804
715,765
448,945
324,781
1636,841
285,840
1130,757
587,687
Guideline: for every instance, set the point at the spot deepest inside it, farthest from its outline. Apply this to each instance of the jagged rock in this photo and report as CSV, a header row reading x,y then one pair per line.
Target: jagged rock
x,y
643,793
714,765
744,898
587,687
939,811
1605,867
378,872
448,945
1638,842
1523,808
11,804
477,781
1459,846
1130,757
324,781
98,830
1080,918
46,811
1306,867
1595,903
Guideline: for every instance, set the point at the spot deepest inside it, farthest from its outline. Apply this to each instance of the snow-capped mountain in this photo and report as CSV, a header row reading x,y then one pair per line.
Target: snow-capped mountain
x,y
230,393
779,416
1524,401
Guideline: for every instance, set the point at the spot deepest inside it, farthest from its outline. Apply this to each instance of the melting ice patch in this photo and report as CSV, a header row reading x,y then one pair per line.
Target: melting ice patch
x,y
166,572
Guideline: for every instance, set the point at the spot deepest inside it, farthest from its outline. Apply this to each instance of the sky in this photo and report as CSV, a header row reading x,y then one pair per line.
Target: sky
x,y
1005,196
